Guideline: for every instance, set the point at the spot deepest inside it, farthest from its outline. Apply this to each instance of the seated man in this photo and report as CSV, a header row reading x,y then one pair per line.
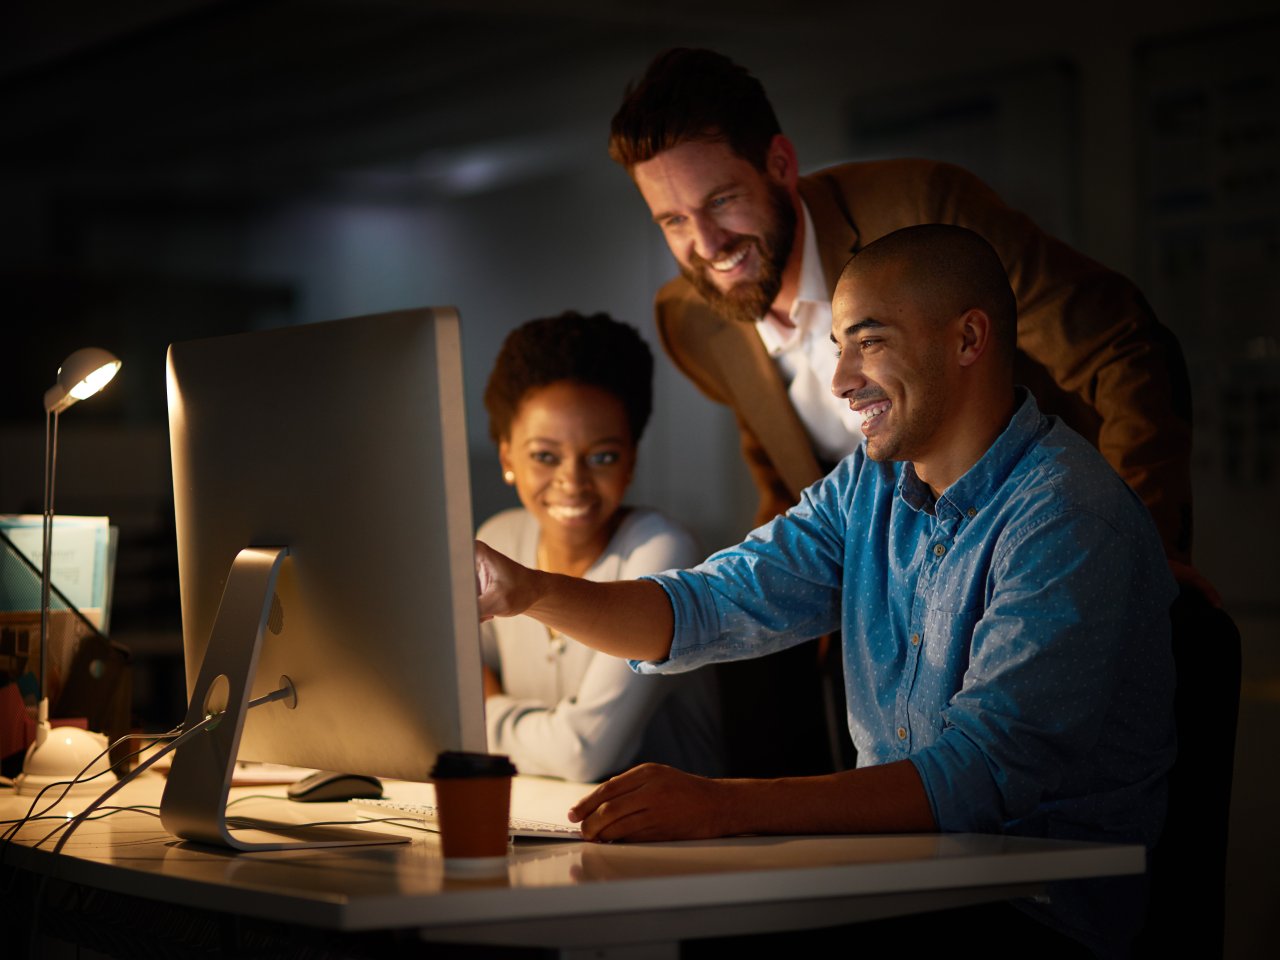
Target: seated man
x,y
1003,599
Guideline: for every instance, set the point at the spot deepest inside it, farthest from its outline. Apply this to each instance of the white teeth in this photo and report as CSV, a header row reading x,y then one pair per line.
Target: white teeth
x,y
728,263
568,513
872,412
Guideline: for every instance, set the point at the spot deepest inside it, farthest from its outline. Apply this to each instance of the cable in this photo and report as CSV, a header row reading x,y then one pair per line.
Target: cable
x,y
151,810
81,778
79,818
279,693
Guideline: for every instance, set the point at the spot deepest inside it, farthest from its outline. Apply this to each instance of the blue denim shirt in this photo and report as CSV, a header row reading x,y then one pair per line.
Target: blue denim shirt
x,y
1010,638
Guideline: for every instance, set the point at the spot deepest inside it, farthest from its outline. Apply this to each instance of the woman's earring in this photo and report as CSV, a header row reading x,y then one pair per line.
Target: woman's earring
x,y
509,476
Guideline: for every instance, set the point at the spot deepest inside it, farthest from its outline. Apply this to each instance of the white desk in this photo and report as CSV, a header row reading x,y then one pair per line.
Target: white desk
x,y
628,897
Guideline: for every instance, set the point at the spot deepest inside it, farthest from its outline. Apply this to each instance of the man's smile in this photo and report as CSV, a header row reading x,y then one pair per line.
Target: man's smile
x,y
727,263
870,410
731,267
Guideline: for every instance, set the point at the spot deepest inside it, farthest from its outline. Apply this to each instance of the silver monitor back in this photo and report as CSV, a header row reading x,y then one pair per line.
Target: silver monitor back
x,y
346,443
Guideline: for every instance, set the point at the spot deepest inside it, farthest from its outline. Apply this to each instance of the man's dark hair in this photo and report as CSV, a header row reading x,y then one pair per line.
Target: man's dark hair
x,y
952,269
594,350
689,94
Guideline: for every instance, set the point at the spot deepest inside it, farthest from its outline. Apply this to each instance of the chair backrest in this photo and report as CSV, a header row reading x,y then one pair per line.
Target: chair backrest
x,y
773,716
1187,868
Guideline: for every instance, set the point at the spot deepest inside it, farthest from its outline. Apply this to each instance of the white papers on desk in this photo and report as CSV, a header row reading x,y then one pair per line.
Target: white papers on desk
x,y
246,774
249,774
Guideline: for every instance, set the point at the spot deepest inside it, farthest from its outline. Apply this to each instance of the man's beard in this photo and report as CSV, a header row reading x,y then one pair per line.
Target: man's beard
x,y
748,302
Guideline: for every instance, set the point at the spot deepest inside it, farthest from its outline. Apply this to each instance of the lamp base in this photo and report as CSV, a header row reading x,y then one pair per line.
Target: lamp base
x,y
58,757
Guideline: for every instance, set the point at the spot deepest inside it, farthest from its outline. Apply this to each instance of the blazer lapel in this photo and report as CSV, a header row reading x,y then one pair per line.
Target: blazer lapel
x,y
832,225
763,404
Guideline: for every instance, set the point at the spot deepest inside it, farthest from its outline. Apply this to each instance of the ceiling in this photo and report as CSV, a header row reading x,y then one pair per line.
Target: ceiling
x,y
197,95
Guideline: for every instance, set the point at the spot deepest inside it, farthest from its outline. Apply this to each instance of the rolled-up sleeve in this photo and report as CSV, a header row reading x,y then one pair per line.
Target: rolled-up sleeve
x,y
779,587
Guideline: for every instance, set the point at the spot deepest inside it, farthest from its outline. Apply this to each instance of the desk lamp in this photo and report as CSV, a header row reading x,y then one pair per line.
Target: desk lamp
x,y
55,758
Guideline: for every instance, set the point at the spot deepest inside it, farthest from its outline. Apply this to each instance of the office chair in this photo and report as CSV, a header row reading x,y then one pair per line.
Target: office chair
x,y
1187,869
772,714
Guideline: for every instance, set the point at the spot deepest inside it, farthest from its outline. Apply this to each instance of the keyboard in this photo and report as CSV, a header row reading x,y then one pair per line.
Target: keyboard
x,y
425,814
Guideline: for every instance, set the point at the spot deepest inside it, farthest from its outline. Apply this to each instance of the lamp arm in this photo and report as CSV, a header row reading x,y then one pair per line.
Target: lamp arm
x,y
46,560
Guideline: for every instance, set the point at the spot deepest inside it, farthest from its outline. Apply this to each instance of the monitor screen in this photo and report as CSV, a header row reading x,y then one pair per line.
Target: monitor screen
x,y
343,443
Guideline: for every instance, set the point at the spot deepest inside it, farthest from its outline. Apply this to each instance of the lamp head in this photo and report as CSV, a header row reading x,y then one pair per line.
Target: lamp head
x,y
81,375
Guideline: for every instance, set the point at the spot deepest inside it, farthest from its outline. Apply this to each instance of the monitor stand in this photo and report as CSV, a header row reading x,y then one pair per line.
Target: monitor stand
x,y
194,806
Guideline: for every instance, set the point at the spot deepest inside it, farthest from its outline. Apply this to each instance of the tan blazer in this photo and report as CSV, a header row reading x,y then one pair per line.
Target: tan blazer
x,y
1090,347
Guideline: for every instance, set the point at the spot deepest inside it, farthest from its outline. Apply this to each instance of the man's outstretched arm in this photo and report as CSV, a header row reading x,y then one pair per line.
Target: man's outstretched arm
x,y
653,802
623,618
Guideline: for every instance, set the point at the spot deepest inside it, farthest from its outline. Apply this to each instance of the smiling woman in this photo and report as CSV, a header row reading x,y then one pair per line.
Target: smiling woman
x,y
569,452
568,400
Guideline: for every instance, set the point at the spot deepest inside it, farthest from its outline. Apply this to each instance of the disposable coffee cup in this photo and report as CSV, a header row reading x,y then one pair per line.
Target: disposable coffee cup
x,y
473,806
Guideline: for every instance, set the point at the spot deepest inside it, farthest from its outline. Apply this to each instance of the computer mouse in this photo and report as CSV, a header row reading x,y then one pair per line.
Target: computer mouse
x,y
325,786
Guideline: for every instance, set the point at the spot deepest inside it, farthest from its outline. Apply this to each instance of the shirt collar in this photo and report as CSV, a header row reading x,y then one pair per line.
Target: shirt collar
x,y
979,483
811,293
813,284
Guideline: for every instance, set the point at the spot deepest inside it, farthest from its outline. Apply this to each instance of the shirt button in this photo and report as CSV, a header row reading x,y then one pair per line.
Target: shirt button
x,y
902,733
915,639
972,512
939,549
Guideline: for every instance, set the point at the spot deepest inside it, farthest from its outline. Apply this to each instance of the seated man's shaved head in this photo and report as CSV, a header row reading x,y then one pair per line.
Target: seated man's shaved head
x,y
924,324
948,270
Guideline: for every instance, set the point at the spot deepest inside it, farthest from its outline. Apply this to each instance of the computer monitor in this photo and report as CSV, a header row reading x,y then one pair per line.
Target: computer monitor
x,y
323,511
